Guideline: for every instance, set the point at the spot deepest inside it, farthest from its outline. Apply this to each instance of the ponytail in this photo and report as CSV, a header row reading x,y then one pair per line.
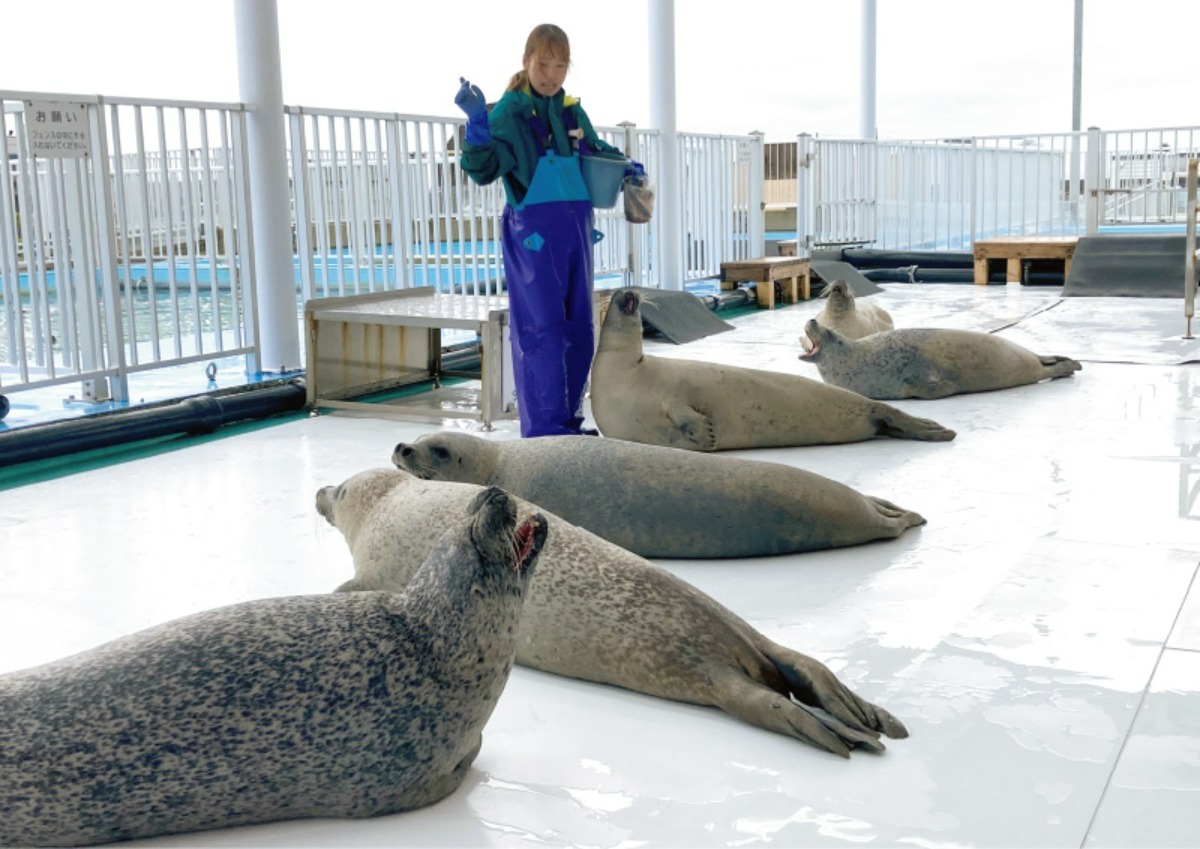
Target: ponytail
x,y
519,80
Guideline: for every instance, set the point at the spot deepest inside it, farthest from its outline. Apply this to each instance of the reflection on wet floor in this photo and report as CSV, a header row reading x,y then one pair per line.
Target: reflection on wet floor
x,y
1039,636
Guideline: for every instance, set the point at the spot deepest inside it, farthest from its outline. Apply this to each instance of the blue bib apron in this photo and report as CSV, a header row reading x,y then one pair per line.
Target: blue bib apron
x,y
547,242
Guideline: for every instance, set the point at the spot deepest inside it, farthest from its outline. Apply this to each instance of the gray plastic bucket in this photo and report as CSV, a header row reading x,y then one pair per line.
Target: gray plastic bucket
x,y
603,174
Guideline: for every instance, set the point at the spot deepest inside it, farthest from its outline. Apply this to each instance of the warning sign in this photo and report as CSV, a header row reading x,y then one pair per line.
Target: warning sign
x,y
57,130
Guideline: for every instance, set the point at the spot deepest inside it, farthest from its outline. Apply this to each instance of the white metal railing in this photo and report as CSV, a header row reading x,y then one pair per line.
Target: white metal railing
x,y
386,205
721,201
146,262
944,194
125,257
107,272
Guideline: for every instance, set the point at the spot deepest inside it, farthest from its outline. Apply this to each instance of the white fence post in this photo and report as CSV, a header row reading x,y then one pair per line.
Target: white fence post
x,y
756,207
1189,262
632,275
805,209
1094,179
118,384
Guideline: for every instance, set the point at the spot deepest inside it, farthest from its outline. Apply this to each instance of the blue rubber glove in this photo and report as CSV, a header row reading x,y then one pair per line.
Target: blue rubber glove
x,y
472,102
636,170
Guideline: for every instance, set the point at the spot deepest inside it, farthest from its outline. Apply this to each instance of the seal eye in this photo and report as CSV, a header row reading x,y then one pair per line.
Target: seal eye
x,y
441,453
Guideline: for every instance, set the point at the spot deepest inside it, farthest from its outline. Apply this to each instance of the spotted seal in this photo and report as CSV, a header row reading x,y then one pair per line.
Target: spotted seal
x,y
710,407
599,613
630,494
926,362
338,705
848,315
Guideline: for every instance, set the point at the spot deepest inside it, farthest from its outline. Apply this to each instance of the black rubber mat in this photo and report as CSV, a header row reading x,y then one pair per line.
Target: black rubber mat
x,y
1149,266
679,316
828,270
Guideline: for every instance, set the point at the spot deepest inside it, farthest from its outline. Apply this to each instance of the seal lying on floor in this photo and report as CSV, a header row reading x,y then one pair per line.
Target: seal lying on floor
x,y
710,407
663,502
347,705
599,613
926,362
849,316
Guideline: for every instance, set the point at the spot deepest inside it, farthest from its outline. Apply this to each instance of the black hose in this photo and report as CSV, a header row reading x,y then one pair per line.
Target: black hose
x,y
875,258
918,274
196,415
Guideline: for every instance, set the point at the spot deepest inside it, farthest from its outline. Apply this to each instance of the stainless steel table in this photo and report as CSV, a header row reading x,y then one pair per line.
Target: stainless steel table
x,y
366,344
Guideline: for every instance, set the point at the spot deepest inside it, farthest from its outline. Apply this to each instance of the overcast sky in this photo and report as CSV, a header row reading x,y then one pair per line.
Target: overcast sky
x,y
944,67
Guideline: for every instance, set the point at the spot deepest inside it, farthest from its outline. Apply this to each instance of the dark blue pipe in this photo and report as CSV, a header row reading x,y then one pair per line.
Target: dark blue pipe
x,y
200,414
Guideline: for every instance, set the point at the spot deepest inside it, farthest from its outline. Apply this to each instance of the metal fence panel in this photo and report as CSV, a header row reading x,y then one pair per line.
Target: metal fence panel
x,y
107,270
943,194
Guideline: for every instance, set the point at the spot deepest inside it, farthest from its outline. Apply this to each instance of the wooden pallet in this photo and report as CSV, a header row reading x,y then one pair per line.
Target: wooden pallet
x,y
791,272
1014,250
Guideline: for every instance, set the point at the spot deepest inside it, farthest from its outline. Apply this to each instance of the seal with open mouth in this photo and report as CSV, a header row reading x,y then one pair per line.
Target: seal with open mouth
x,y
339,705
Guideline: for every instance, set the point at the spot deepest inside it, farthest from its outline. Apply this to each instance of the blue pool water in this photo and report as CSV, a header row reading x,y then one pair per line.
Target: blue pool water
x,y
332,269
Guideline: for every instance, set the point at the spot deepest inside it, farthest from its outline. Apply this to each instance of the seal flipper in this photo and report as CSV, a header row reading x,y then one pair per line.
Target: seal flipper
x,y
898,517
758,704
813,683
899,424
695,428
1059,366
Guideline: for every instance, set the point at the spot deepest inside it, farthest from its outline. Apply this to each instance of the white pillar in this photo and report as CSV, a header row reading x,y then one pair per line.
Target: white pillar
x,y
1076,119
662,118
260,83
1077,75
866,110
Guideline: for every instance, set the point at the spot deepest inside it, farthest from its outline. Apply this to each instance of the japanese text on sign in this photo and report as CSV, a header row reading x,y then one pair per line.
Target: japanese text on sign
x,y
57,130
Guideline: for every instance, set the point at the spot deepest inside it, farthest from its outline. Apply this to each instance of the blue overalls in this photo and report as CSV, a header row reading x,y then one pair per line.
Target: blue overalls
x,y
547,241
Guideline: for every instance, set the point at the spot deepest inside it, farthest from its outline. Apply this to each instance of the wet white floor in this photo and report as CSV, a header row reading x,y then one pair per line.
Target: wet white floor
x,y
1040,636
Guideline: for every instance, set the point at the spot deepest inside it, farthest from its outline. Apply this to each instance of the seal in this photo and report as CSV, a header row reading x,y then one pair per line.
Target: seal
x,y
849,316
599,613
347,705
629,494
710,407
926,362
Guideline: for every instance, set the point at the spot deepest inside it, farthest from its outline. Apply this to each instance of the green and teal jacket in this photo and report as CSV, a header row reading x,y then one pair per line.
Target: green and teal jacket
x,y
514,150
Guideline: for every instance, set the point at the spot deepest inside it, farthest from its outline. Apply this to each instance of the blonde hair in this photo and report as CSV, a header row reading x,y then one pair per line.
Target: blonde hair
x,y
544,40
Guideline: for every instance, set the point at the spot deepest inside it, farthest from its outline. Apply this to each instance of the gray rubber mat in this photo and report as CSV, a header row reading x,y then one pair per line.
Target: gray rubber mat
x,y
679,316
1127,266
829,270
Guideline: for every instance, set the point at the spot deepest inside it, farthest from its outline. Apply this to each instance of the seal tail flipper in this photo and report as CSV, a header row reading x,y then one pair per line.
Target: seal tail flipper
x,y
754,702
1060,366
902,518
813,683
899,424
